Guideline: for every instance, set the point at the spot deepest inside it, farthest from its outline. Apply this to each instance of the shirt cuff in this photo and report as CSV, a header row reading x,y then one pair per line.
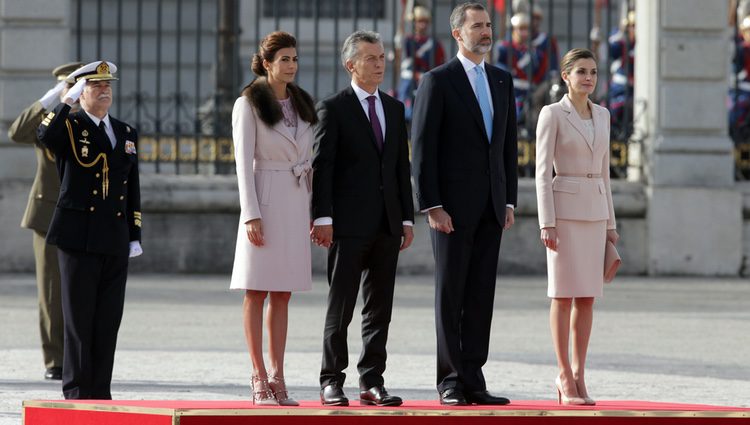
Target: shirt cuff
x,y
510,206
323,221
408,223
431,208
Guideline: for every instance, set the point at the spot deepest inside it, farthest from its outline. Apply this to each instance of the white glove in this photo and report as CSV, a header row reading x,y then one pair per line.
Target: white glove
x,y
75,92
135,249
52,96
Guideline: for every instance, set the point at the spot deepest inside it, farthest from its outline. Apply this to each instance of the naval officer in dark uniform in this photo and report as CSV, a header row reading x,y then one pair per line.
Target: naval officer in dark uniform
x,y
96,225
39,209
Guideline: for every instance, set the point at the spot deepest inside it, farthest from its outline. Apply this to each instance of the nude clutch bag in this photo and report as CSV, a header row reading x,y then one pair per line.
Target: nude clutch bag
x,y
612,262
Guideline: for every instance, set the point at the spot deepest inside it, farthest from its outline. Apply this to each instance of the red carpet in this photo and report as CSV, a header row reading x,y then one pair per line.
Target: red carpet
x,y
177,412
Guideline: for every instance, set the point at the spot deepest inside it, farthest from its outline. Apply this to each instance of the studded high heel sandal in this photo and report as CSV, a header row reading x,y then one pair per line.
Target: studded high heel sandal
x,y
262,394
278,386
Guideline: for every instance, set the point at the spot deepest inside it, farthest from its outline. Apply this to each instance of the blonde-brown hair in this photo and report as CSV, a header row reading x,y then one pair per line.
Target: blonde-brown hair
x,y
573,55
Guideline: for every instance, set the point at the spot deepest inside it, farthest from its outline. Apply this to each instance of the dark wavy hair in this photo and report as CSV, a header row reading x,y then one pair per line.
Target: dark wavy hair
x,y
267,49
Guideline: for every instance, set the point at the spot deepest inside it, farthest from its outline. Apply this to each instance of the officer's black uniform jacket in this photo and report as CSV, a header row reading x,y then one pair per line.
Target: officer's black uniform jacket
x,y
99,208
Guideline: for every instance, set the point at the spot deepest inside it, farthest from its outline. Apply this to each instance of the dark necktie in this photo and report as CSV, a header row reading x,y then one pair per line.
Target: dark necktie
x,y
375,123
104,131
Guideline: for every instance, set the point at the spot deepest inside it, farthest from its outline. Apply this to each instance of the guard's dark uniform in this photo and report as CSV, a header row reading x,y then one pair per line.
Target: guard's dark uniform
x,y
97,215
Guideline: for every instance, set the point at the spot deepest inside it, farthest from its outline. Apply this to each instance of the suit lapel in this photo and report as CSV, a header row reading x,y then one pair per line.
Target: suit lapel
x,y
391,118
600,123
302,126
117,128
461,83
576,121
282,129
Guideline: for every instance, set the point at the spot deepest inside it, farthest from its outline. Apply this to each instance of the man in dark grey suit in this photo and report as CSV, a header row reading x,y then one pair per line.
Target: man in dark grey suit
x,y
465,169
363,211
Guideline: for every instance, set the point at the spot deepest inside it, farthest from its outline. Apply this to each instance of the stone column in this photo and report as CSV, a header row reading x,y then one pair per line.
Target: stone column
x,y
694,214
35,37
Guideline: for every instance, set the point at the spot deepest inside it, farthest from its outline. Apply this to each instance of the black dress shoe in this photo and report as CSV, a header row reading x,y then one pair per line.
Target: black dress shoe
x,y
483,397
378,396
453,397
54,373
333,395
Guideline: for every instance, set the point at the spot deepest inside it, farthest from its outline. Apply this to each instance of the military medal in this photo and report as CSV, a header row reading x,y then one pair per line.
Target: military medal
x,y
85,152
129,147
85,133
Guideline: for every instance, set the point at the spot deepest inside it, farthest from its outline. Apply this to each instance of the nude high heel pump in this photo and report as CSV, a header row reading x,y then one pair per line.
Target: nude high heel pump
x,y
564,399
262,394
588,401
278,386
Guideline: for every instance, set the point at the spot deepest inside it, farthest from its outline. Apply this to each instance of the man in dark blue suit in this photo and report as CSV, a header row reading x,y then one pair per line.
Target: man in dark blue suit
x,y
96,225
465,170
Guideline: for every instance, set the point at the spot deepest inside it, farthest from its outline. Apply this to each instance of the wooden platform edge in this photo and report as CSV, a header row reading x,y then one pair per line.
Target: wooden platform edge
x,y
304,411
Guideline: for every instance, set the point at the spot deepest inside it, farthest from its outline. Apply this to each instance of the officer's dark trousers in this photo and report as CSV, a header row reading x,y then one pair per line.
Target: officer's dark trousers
x,y
93,293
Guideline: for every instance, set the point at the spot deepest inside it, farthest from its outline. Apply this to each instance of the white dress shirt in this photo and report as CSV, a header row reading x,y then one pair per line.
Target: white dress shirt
x,y
107,128
379,111
472,75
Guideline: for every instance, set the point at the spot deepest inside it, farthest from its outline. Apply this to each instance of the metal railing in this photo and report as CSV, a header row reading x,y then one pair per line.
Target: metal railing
x,y
181,65
179,70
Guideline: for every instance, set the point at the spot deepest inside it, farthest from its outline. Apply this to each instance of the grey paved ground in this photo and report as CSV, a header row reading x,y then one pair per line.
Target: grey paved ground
x,y
677,339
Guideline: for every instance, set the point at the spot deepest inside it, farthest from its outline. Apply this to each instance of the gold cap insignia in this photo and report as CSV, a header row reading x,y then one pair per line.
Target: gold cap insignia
x,y
103,68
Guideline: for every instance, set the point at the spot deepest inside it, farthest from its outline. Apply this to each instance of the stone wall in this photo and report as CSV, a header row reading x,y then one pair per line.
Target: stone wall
x,y
190,224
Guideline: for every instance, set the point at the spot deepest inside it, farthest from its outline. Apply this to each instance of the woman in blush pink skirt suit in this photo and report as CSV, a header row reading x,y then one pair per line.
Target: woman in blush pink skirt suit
x,y
576,216
273,137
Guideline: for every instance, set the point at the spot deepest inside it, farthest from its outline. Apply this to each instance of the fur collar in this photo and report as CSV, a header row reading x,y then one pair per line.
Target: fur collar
x,y
261,96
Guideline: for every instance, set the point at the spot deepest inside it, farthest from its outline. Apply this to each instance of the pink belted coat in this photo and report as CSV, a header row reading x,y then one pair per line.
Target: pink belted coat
x,y
274,175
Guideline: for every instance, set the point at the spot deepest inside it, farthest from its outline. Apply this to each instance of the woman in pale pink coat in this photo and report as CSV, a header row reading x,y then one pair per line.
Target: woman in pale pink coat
x,y
576,215
273,136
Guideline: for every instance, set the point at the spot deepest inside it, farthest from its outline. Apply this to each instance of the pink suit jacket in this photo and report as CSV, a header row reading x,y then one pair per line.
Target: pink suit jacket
x,y
564,143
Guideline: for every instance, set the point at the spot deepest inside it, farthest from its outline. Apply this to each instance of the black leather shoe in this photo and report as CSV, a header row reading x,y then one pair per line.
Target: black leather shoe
x,y
378,396
483,397
53,373
333,395
453,397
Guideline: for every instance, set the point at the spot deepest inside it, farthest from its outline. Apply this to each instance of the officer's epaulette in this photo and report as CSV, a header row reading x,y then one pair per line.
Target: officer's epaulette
x,y
48,118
